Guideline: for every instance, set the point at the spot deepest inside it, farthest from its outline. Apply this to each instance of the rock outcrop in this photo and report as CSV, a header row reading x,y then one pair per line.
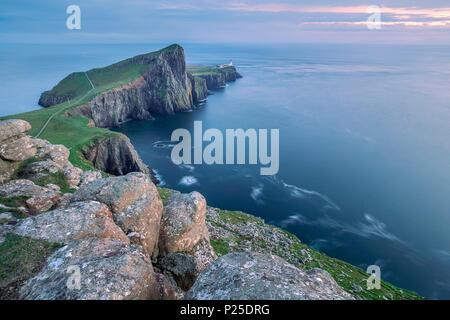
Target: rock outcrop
x,y
163,87
14,129
220,77
252,276
183,223
108,270
80,220
115,155
37,199
134,202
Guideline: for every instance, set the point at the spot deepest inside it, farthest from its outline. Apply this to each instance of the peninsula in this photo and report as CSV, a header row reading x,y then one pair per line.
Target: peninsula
x,y
73,193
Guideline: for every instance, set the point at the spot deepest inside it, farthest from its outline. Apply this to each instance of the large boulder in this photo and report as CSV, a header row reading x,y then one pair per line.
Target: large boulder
x,y
251,276
54,152
134,202
38,199
18,150
108,270
13,129
78,221
183,223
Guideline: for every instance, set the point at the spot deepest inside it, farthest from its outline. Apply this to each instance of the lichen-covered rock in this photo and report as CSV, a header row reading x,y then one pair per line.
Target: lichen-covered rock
x,y
118,193
250,275
134,202
43,202
183,223
39,199
13,128
64,200
141,220
108,270
182,267
39,169
203,253
54,152
90,175
78,221
18,150
72,175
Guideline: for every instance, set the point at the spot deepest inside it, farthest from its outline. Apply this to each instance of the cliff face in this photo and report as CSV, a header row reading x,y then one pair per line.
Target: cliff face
x,y
116,155
199,88
164,88
220,77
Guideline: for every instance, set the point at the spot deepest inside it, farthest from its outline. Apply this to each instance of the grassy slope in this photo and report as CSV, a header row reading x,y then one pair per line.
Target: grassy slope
x,y
203,70
290,248
74,132
20,259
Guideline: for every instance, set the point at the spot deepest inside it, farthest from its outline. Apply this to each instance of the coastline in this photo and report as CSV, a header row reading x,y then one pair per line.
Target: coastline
x,y
95,136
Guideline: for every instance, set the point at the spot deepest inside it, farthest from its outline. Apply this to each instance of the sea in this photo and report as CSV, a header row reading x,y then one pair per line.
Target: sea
x,y
364,142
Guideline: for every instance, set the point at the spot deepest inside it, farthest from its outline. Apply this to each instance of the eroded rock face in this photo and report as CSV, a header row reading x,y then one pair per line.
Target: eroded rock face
x,y
13,128
115,155
109,270
39,199
183,223
134,202
79,220
18,150
250,275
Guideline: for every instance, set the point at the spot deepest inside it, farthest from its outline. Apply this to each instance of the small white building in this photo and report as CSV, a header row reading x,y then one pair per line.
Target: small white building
x,y
226,64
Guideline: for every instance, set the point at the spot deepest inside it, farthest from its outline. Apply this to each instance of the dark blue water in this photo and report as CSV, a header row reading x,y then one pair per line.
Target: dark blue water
x,y
364,143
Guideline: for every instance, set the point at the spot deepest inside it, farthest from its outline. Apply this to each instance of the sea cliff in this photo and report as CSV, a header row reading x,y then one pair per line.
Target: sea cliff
x,y
162,87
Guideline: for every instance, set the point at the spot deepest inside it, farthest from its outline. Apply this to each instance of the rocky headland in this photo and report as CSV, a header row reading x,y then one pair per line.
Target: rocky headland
x,y
138,88
81,217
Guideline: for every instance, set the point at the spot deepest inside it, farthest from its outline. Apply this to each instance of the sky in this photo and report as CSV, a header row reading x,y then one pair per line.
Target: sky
x,y
221,21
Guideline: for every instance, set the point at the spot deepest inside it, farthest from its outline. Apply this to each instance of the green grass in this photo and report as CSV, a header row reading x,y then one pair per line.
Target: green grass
x,y
220,247
164,193
296,252
73,132
20,259
202,70
13,201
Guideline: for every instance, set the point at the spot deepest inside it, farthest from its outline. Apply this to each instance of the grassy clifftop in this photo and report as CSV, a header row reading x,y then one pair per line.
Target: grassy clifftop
x,y
77,89
233,230
75,85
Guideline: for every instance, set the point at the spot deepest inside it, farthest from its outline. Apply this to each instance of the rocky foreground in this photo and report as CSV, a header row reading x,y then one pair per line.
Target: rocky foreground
x,y
68,234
